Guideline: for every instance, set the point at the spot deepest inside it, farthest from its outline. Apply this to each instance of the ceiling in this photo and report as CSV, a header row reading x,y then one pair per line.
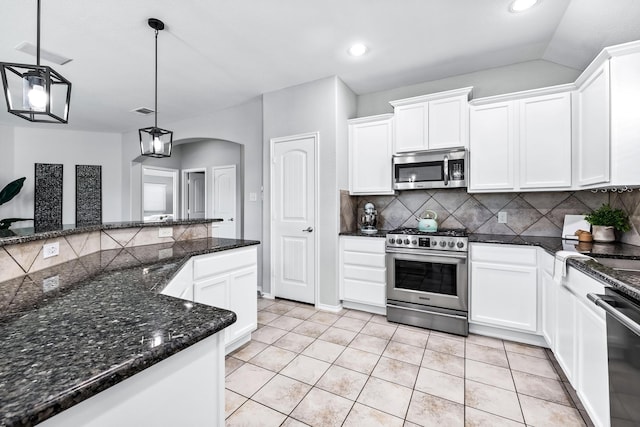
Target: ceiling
x,y
216,54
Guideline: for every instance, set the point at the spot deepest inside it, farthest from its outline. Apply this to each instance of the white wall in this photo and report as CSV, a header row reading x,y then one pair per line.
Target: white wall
x,y
494,81
311,107
69,148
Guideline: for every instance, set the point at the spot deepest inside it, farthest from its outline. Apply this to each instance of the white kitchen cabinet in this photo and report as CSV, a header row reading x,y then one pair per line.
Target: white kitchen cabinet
x,y
521,144
435,121
370,152
504,288
592,129
226,279
492,147
548,298
363,282
545,142
565,351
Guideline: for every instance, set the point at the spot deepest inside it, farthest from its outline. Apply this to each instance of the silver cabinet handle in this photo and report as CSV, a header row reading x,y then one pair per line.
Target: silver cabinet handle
x,y
616,314
308,230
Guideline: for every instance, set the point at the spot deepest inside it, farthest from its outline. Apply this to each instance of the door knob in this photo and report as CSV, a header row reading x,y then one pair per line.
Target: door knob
x,y
308,230
230,219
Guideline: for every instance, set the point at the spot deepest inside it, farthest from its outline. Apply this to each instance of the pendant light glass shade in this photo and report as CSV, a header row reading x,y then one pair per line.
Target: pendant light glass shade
x,y
36,92
156,142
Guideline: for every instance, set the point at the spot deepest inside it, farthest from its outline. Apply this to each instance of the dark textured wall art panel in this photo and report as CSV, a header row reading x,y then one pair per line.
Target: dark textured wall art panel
x,y
88,195
47,212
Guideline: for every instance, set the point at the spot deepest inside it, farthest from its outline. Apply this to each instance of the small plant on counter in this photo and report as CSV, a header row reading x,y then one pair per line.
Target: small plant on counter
x,y
10,191
607,216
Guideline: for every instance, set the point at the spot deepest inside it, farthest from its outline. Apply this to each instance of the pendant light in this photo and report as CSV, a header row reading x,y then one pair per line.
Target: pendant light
x,y
156,142
36,92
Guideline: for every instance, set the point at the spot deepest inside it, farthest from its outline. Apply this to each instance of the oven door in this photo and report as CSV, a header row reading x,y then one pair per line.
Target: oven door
x,y
428,278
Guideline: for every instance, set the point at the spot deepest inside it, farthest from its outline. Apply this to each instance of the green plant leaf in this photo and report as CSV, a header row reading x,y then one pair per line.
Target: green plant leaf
x,y
6,223
607,216
11,190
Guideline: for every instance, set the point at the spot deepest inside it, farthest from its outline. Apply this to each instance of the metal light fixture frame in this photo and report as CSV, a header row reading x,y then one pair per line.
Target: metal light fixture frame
x,y
154,141
51,81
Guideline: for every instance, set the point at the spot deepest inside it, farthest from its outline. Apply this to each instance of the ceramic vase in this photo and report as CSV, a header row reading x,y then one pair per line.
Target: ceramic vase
x,y
603,233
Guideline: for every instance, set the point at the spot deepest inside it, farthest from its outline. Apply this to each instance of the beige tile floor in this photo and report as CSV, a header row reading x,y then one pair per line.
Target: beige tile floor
x,y
309,367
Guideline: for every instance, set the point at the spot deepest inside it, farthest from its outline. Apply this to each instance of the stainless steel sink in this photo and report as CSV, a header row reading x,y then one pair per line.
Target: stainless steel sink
x,y
631,266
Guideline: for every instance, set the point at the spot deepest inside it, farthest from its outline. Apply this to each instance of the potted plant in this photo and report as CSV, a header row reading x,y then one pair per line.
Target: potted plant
x,y
10,191
605,220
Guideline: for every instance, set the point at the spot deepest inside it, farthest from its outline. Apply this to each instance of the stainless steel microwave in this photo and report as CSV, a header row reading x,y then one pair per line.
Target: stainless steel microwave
x,y
430,169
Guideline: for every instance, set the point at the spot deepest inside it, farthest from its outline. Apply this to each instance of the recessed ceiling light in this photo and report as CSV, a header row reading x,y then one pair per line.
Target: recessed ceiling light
x,y
521,5
357,49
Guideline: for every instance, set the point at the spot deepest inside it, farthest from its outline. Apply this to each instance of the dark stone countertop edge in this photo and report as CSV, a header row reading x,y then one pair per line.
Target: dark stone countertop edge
x,y
98,383
30,235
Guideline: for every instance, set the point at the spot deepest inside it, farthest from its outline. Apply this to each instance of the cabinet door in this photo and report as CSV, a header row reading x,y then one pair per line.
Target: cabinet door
x,y
212,291
411,127
448,123
593,374
545,141
243,301
504,295
181,286
549,289
370,152
491,147
592,139
565,333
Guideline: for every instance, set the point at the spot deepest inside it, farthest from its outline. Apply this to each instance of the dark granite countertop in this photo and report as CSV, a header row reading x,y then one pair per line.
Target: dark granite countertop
x,y
28,234
76,329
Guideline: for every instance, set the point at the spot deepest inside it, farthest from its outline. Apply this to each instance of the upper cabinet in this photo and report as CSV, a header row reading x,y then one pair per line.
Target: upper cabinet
x,y
370,151
607,148
431,122
521,144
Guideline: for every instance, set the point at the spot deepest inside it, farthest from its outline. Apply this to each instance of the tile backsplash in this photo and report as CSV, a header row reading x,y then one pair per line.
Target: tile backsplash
x,y
528,214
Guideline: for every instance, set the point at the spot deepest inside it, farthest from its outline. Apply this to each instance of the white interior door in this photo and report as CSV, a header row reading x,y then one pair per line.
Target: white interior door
x,y
196,202
293,205
224,201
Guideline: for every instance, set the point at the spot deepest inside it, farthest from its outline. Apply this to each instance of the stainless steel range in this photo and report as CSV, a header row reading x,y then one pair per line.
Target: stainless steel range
x,y
427,279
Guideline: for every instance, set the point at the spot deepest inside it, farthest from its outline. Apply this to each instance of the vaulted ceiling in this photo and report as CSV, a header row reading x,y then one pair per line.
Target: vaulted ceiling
x,y
215,54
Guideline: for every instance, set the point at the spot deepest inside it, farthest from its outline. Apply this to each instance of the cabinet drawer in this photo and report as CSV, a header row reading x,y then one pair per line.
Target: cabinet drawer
x,y
364,259
221,262
509,254
367,274
365,293
364,244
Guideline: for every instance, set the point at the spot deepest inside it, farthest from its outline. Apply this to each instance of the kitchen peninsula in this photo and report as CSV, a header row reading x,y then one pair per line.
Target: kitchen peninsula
x,y
94,341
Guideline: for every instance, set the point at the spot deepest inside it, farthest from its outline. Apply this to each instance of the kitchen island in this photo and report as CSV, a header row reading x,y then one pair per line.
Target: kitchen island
x,y
96,334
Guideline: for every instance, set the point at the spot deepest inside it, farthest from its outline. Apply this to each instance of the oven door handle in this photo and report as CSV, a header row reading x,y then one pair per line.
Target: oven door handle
x,y
613,312
414,252
426,311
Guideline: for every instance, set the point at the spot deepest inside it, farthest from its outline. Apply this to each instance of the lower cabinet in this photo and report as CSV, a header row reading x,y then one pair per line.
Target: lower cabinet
x,y
549,299
586,332
363,282
228,280
504,288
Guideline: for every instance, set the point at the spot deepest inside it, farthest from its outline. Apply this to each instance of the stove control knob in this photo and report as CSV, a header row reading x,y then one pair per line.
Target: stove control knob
x,y
434,243
414,242
443,243
392,241
461,245
406,241
451,244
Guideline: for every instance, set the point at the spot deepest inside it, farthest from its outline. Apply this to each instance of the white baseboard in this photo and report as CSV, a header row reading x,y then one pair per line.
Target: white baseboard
x,y
505,334
331,308
268,296
232,346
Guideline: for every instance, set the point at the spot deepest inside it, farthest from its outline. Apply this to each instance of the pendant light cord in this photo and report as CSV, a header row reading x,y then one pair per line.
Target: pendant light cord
x,y
156,88
38,38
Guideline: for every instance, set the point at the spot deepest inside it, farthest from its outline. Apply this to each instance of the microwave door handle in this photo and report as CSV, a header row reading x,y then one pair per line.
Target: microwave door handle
x,y
446,170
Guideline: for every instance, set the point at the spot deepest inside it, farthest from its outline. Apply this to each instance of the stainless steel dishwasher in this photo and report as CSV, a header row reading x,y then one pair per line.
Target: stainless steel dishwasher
x,y
623,346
